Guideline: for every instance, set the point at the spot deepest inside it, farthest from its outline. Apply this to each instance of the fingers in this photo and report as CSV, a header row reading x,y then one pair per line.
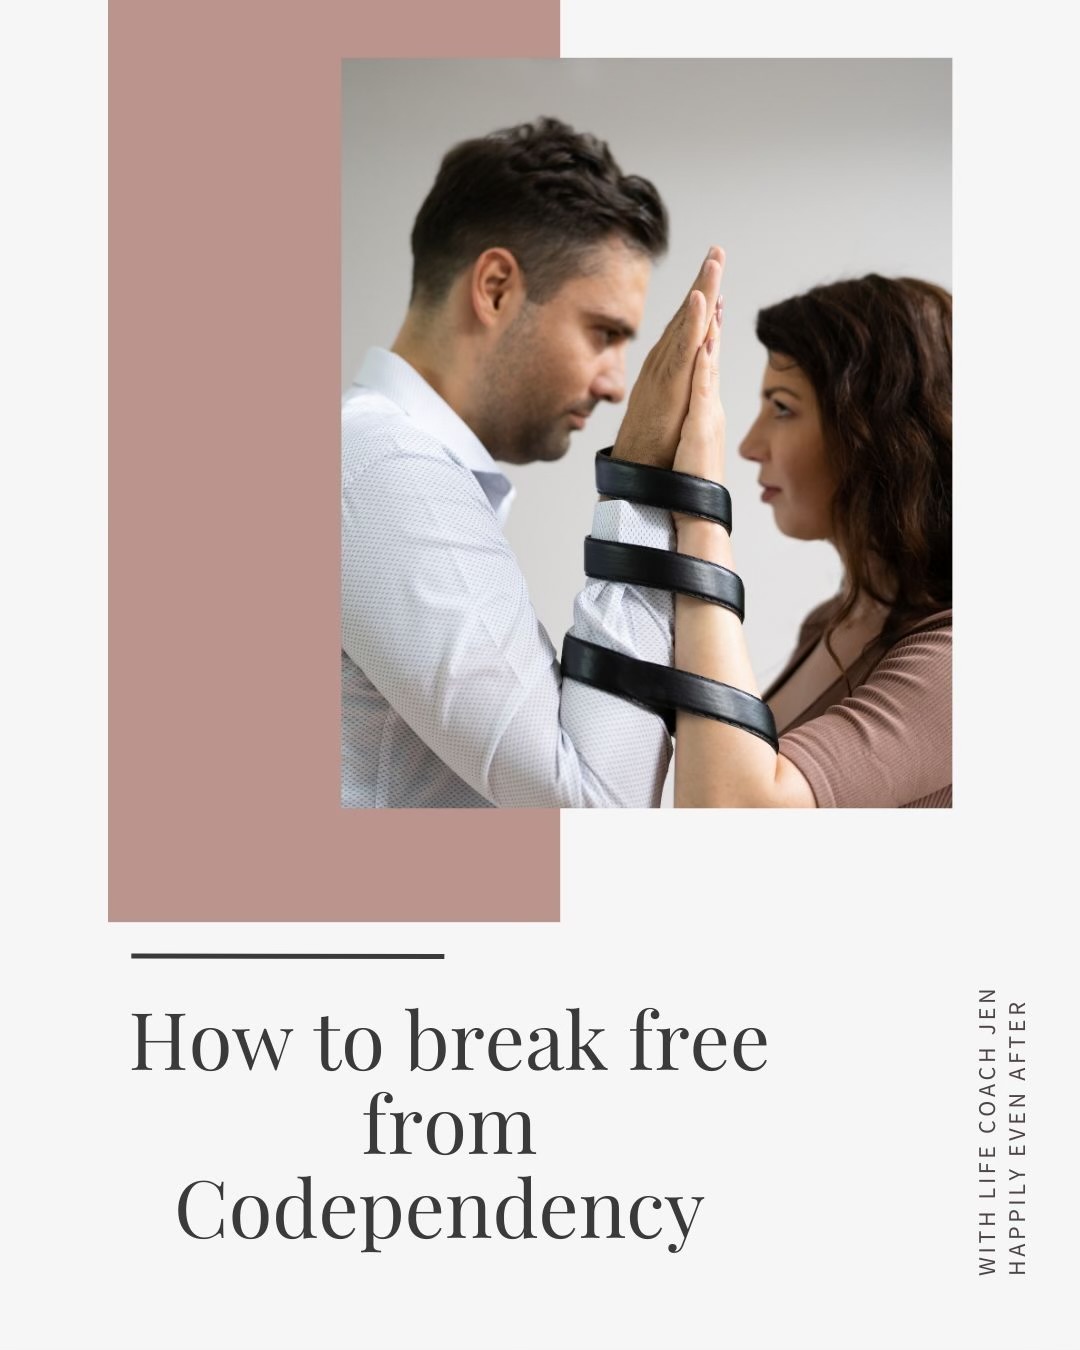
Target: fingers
x,y
695,319
698,425
713,336
692,321
691,325
714,259
706,283
712,274
705,366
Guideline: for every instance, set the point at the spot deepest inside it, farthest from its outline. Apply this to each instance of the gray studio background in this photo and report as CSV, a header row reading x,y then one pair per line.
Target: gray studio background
x,y
806,171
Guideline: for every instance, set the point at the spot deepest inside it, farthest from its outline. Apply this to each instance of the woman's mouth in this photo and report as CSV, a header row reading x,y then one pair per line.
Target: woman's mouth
x,y
768,493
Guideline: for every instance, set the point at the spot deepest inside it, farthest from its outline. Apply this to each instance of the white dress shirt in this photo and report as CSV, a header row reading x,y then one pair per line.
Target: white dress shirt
x,y
450,688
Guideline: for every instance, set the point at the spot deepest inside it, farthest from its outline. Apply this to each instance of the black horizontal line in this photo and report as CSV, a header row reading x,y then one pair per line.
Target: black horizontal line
x,y
287,956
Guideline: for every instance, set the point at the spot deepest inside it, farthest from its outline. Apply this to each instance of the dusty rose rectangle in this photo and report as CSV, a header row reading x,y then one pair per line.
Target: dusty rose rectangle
x,y
224,202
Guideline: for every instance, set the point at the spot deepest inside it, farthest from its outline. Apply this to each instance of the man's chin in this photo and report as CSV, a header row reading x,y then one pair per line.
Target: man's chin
x,y
557,451
545,451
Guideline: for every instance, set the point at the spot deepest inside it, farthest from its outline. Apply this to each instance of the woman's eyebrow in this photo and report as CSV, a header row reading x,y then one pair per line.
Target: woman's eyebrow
x,y
779,389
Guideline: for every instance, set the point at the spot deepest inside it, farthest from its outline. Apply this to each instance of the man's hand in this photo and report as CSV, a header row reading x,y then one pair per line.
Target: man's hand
x,y
661,396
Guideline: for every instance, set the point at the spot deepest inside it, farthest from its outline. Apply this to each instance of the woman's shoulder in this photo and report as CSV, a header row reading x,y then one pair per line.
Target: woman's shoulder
x,y
931,633
940,619
815,623
887,741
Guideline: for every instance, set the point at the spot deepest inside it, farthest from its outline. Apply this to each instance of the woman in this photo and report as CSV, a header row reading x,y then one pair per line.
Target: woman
x,y
853,443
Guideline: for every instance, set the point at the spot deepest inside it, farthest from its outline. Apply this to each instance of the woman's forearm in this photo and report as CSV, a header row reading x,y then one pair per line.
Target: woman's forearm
x,y
715,764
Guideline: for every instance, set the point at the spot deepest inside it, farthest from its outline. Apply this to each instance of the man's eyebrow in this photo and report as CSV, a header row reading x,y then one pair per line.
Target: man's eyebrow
x,y
779,389
613,322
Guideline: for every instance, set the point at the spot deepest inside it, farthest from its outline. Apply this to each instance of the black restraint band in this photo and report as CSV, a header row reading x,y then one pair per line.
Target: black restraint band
x,y
663,487
663,690
606,560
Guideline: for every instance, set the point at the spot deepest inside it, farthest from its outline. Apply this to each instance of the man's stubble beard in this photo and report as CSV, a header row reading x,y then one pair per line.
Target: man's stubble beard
x,y
520,426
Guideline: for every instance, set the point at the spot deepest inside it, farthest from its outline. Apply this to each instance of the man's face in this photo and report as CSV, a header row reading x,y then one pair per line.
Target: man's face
x,y
559,359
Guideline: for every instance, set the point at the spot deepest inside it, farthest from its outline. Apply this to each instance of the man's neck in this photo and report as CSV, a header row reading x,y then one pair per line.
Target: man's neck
x,y
414,353
427,345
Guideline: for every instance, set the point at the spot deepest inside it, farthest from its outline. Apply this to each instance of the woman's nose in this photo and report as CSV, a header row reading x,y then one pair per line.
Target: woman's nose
x,y
752,445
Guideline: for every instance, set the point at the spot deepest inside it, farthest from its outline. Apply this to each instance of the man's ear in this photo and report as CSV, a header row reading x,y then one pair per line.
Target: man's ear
x,y
497,287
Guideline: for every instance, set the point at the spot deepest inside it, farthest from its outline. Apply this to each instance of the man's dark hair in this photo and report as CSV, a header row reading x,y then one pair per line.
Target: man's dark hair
x,y
543,191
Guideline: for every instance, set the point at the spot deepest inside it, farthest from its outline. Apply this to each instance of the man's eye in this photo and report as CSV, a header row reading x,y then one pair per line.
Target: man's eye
x,y
607,336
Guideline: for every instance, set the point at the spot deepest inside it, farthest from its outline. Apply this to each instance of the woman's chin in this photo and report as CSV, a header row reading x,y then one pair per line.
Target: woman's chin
x,y
795,528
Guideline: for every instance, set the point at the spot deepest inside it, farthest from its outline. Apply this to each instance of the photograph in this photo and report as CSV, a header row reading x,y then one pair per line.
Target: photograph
x,y
698,315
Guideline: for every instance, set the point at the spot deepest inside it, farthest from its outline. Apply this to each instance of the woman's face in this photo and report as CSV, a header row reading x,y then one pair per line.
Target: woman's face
x,y
788,445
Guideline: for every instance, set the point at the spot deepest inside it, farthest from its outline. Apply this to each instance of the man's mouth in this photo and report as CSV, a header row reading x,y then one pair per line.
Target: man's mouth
x,y
578,419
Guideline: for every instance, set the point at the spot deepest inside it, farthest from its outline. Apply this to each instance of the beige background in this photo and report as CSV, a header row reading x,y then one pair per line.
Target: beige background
x,y
224,160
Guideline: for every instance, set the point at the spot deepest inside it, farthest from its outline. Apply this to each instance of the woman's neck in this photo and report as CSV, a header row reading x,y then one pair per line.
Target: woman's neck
x,y
866,611
847,641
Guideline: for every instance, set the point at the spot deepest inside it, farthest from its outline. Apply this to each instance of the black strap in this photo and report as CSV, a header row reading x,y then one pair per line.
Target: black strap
x,y
606,560
681,492
663,690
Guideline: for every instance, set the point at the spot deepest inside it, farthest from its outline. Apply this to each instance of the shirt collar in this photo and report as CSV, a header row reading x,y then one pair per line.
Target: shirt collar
x,y
393,377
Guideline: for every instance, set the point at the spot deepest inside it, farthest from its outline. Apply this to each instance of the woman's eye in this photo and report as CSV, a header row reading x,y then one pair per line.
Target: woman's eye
x,y
780,409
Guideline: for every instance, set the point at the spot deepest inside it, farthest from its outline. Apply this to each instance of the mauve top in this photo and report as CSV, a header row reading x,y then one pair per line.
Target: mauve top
x,y
888,742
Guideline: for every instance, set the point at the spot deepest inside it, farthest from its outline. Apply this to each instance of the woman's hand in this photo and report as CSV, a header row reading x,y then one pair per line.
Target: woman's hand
x,y
701,445
659,398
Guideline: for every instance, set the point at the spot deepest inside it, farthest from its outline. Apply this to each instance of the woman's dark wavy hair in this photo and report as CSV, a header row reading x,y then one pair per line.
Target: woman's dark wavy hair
x,y
878,352
542,190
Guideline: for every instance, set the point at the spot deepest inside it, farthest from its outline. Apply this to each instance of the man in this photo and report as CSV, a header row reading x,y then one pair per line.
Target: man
x,y
532,255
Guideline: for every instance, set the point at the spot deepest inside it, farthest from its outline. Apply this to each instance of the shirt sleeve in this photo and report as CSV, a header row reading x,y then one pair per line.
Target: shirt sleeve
x,y
436,613
890,742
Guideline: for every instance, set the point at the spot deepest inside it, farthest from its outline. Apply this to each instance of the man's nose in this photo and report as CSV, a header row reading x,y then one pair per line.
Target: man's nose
x,y
609,383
